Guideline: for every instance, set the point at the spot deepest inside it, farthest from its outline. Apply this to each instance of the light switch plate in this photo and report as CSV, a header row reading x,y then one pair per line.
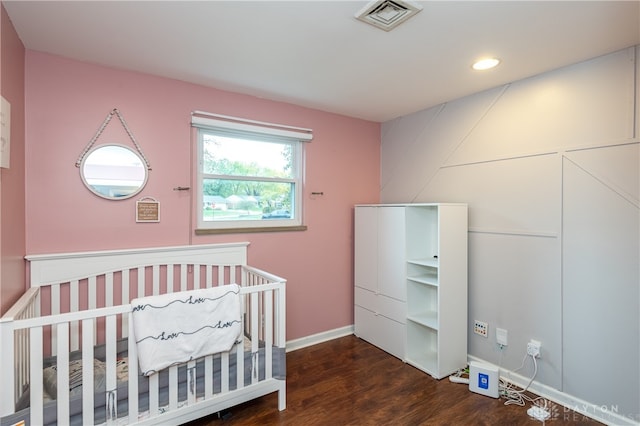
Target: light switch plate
x,y
501,336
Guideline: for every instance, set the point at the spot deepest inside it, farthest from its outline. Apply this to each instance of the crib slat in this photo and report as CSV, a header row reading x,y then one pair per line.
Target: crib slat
x,y
232,274
191,383
255,362
221,275
240,368
268,330
35,340
125,279
92,292
260,313
55,309
154,405
19,353
133,373
108,289
125,300
173,387
196,277
14,350
183,277
280,335
141,282
111,384
87,371
92,303
55,299
240,348
63,373
208,376
156,279
74,306
224,368
209,276
170,288
8,357
281,317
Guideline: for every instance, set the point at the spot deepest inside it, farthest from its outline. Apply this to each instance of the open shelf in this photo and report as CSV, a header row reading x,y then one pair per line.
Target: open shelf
x,y
425,278
422,303
422,273
431,262
423,351
427,319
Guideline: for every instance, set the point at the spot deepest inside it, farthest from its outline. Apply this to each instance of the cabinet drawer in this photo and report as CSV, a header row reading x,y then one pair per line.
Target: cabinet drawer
x,y
379,304
383,332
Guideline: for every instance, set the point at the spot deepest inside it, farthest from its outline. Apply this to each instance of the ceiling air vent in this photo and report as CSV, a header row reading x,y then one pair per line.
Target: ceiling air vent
x,y
388,14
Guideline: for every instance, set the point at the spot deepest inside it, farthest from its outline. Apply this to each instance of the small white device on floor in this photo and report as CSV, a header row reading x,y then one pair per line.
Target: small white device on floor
x,y
483,379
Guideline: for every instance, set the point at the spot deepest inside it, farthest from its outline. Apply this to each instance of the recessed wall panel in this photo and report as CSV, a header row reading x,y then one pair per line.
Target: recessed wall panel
x,y
601,295
514,283
512,196
416,146
586,104
399,136
617,167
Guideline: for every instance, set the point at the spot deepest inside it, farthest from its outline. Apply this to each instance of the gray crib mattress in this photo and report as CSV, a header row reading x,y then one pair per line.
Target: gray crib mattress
x,y
122,391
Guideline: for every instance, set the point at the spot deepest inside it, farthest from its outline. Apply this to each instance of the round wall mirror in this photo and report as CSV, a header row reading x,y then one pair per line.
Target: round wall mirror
x,y
114,172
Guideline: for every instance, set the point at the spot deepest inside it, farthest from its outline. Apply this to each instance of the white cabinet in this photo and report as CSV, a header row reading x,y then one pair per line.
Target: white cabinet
x,y
411,282
380,294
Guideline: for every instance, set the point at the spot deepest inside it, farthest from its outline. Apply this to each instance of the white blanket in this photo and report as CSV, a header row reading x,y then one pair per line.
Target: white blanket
x,y
178,327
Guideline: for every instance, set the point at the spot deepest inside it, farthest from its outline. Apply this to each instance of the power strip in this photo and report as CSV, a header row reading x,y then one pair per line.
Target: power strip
x,y
538,413
456,379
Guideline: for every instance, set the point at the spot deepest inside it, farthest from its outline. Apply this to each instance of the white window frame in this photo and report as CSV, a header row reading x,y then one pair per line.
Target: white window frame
x,y
207,123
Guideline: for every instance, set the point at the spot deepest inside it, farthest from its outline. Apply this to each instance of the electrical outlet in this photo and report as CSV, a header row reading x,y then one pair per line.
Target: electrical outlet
x,y
481,328
533,348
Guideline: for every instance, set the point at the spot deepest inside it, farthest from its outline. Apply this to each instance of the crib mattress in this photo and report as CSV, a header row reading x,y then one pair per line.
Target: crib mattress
x,y
122,391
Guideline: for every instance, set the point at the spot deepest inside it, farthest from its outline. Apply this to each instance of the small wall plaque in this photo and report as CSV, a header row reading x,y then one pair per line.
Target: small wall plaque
x,y
147,210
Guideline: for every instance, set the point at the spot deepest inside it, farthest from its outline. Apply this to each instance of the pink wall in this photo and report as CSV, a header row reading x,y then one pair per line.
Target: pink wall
x,y
68,100
12,180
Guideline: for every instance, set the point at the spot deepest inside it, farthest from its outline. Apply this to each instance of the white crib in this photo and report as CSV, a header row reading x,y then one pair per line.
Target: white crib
x,y
77,313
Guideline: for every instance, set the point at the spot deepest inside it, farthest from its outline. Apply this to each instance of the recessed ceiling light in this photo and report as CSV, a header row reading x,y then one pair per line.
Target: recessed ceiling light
x,y
485,64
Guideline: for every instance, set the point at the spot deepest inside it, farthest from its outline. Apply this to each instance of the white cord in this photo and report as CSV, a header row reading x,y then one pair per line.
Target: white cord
x,y
514,395
517,396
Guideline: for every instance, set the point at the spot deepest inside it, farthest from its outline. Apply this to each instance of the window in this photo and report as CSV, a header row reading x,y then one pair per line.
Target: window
x,y
249,174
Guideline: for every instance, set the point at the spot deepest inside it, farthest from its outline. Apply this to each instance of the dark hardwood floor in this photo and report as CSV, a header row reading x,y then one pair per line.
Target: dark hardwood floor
x,y
348,381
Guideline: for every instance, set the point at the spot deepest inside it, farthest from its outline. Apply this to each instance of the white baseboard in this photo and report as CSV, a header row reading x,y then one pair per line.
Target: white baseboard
x,y
570,407
314,339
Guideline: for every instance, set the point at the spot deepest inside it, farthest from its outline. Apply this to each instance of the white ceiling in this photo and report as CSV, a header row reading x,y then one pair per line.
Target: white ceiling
x,y
316,54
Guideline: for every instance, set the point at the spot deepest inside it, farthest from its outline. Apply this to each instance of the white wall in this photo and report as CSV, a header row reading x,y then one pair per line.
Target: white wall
x,y
550,169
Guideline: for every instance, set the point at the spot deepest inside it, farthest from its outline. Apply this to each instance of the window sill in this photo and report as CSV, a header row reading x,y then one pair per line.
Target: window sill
x,y
250,230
